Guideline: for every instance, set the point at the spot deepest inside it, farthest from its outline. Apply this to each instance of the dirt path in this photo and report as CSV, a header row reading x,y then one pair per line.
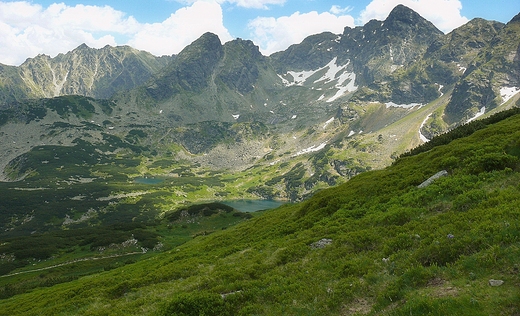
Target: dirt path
x,y
71,262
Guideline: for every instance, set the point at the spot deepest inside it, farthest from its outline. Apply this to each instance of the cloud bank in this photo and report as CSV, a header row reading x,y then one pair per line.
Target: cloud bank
x,y
250,4
180,29
275,34
27,29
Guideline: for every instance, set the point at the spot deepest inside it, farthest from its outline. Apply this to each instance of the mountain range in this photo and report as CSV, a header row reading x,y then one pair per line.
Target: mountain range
x,y
393,147
382,88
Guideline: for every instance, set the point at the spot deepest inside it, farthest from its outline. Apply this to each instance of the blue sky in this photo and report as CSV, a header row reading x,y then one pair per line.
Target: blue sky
x,y
164,27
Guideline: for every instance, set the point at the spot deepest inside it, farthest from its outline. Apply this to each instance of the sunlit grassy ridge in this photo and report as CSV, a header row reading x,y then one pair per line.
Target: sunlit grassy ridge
x,y
388,247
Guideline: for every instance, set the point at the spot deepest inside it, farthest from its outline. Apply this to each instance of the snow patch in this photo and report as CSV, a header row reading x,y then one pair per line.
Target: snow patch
x,y
461,68
440,87
479,113
507,93
299,77
235,116
421,136
285,81
311,149
293,117
351,133
395,67
350,87
328,122
406,106
345,81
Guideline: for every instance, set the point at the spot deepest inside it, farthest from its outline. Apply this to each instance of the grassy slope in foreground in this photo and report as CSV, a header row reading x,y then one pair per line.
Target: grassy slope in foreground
x,y
394,249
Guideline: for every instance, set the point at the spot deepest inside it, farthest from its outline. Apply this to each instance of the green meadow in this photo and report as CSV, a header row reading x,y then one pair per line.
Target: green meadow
x,y
375,245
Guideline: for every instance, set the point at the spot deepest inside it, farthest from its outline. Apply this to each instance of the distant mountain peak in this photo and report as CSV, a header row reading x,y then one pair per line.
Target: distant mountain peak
x,y
207,44
403,15
515,19
82,47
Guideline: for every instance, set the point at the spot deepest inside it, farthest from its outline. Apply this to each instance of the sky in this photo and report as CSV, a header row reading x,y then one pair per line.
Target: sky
x,y
165,27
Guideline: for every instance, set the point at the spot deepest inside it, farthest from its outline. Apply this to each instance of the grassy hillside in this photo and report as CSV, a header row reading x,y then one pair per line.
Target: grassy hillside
x,y
376,245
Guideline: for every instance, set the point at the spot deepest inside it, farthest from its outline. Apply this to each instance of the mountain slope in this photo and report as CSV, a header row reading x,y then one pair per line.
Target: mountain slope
x,y
491,78
377,244
85,71
372,51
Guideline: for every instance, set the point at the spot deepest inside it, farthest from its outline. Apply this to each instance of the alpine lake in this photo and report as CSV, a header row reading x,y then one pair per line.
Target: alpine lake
x,y
245,205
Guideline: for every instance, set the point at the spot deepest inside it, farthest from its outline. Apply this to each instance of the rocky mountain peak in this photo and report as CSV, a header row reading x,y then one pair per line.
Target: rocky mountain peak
x,y
404,14
515,19
82,47
403,18
190,70
208,46
239,68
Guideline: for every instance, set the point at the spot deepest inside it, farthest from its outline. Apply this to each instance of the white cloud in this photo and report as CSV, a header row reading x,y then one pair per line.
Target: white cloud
x,y
337,10
275,34
257,4
181,28
252,4
444,14
29,29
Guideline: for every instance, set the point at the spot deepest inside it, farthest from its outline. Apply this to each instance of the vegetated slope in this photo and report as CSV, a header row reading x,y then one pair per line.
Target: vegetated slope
x,y
375,245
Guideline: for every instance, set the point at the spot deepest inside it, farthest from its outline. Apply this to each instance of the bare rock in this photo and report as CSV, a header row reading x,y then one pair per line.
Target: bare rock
x,y
322,243
496,282
436,176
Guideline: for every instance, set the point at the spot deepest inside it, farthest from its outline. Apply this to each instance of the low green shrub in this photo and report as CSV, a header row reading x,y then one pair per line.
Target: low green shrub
x,y
201,303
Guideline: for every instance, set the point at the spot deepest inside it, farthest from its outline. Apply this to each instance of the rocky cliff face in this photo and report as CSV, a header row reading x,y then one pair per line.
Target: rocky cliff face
x,y
211,81
12,87
190,71
491,78
84,71
375,50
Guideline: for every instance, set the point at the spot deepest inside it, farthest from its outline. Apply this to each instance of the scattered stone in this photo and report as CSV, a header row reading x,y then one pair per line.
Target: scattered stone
x,y
496,282
320,244
224,295
436,176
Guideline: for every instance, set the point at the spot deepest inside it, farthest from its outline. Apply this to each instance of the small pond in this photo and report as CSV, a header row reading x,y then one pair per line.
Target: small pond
x,y
253,205
146,180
